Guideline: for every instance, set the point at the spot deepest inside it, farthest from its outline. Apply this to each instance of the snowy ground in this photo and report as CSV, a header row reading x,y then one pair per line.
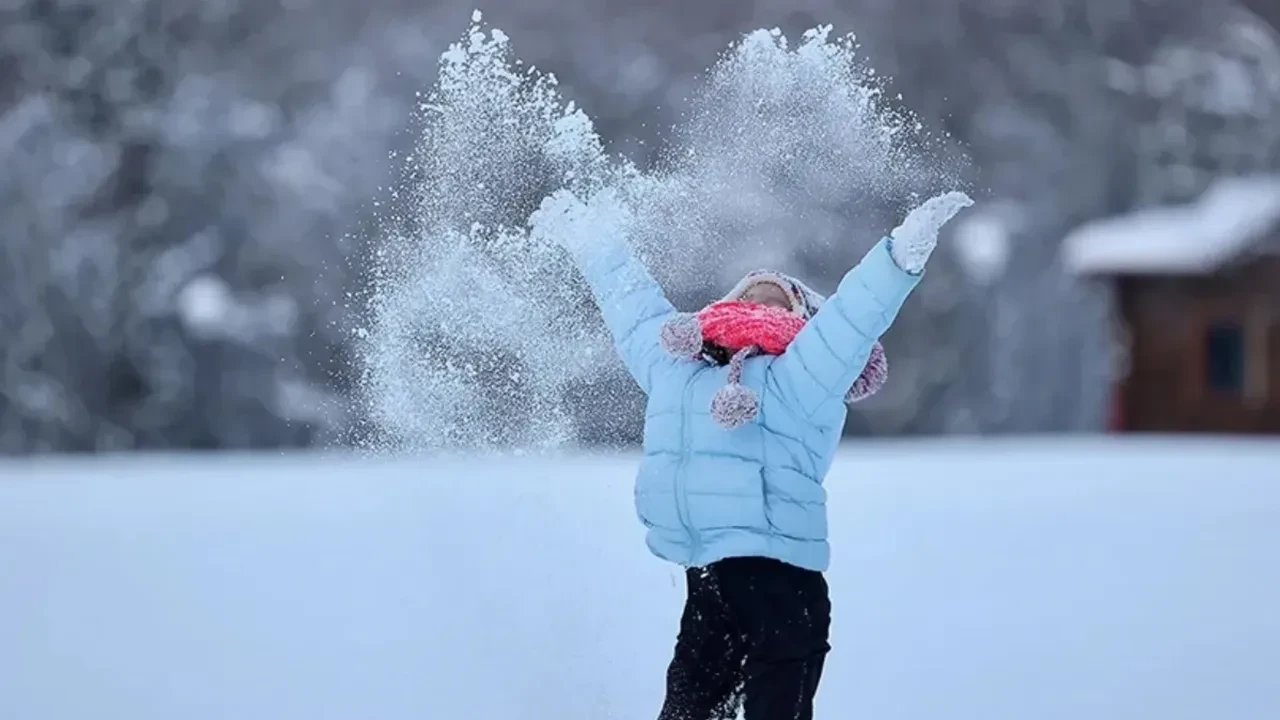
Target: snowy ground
x,y
1083,580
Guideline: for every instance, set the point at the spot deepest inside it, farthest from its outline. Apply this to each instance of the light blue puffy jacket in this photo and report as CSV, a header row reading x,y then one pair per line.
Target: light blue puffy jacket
x,y
706,493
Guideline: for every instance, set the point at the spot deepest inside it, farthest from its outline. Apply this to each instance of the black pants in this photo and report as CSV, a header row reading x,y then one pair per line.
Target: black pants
x,y
753,635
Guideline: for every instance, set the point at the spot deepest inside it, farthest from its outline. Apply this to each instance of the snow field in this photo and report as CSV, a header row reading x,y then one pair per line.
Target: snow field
x,y
1053,580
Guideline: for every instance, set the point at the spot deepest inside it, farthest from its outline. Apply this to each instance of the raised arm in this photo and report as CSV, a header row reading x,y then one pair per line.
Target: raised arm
x,y
631,301
827,356
821,364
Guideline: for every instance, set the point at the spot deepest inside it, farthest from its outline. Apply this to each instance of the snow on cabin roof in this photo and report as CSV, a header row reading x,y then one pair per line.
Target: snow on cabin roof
x,y
1199,237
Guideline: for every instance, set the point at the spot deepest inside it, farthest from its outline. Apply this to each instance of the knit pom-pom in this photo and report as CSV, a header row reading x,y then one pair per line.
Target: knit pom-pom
x,y
872,378
734,405
682,336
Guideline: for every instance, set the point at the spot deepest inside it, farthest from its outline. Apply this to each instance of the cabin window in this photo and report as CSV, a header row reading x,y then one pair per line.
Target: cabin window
x,y
1226,358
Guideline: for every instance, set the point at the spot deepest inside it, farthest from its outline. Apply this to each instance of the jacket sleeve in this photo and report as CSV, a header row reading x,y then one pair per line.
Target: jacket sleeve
x,y
632,303
827,356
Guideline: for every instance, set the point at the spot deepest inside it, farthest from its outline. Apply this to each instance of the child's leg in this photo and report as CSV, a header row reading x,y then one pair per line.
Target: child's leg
x,y
786,614
704,680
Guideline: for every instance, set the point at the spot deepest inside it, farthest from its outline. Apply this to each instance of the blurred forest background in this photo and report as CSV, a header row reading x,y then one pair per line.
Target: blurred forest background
x,y
186,189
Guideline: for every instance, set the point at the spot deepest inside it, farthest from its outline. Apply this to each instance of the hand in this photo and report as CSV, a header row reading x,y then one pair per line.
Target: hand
x,y
557,218
913,241
566,221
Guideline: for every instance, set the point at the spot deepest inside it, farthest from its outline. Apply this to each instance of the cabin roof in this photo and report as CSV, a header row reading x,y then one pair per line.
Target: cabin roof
x,y
1232,217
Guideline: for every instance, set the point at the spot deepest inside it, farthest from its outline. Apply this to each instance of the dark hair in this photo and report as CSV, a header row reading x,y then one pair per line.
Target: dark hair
x,y
717,354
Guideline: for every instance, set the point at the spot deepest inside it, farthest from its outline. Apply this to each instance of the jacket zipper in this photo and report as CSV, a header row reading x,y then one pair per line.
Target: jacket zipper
x,y
682,500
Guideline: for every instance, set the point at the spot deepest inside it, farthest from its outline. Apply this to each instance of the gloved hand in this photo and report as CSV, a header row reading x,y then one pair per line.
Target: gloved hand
x,y
913,241
565,220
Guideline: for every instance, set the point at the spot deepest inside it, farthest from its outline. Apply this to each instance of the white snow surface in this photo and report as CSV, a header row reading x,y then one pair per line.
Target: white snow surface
x,y
1231,216
1046,580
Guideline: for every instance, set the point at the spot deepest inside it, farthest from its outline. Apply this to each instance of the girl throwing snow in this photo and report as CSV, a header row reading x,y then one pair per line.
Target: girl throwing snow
x,y
746,402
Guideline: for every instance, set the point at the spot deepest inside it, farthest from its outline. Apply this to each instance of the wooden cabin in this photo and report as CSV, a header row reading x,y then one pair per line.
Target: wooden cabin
x,y
1198,300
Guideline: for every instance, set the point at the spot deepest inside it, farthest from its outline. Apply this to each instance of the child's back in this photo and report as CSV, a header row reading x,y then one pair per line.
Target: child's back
x,y
706,492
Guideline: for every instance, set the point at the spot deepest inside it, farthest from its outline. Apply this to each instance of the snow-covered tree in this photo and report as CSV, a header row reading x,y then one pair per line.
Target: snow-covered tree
x,y
177,181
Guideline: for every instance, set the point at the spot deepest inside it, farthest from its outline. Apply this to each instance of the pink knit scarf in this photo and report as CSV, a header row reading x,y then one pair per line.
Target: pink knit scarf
x,y
737,324
731,331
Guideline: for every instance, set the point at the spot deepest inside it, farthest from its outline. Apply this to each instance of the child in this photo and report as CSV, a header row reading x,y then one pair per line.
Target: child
x,y
746,403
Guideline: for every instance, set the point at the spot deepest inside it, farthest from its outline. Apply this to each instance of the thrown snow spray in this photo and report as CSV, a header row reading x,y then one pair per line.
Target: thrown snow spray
x,y
480,331
781,150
